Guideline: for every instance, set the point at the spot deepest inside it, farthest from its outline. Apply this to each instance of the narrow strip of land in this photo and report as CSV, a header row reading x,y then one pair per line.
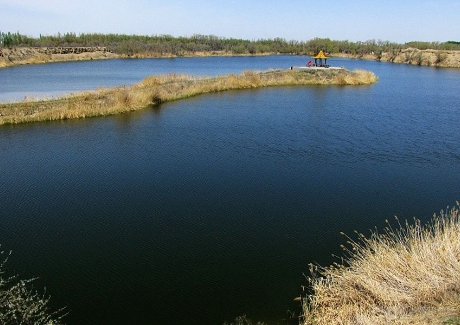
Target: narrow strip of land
x,y
159,89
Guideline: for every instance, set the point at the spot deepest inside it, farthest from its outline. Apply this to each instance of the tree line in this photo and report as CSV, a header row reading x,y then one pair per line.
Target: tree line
x,y
167,44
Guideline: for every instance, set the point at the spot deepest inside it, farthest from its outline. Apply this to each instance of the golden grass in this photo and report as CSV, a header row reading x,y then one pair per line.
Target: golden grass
x,y
157,89
408,275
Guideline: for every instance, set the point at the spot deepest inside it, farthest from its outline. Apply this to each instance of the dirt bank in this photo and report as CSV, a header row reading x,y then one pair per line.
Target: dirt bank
x,y
33,55
431,58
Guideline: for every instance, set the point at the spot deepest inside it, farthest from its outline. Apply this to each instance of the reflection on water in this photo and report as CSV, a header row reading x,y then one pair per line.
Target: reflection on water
x,y
212,207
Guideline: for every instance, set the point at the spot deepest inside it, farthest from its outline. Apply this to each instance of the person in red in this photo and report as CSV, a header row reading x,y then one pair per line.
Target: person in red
x,y
309,63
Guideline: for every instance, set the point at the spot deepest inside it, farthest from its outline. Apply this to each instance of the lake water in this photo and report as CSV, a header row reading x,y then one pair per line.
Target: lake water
x,y
212,207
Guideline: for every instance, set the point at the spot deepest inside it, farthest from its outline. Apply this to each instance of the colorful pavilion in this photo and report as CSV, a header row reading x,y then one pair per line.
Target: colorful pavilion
x,y
320,56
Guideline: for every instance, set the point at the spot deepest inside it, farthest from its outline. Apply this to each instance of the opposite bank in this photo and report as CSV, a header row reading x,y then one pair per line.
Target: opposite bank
x,y
34,55
430,58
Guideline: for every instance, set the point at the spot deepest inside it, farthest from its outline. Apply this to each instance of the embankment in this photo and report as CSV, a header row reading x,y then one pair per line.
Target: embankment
x,y
430,58
158,89
34,55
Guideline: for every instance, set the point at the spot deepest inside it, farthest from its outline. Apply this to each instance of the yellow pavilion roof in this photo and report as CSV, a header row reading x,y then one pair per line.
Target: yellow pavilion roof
x,y
321,55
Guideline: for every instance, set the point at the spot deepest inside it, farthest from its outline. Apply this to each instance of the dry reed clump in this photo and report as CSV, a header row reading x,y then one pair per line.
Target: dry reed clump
x,y
408,275
157,89
358,77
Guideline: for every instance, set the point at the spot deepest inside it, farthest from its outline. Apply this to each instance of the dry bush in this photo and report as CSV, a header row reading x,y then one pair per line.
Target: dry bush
x,y
362,77
123,97
407,275
357,77
253,78
20,304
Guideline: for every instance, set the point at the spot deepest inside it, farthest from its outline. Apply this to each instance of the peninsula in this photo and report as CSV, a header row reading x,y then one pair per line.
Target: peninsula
x,y
159,89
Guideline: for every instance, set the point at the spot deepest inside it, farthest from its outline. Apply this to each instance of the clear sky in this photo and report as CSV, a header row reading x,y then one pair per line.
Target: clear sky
x,y
354,20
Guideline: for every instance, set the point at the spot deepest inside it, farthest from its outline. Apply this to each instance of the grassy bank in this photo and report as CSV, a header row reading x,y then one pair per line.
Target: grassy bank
x,y
158,89
405,275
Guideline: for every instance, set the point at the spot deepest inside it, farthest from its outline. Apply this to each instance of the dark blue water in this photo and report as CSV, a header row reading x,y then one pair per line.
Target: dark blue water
x,y
208,208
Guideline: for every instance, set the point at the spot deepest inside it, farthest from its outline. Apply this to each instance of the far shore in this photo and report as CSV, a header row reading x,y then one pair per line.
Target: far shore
x,y
38,55
10,57
413,56
159,89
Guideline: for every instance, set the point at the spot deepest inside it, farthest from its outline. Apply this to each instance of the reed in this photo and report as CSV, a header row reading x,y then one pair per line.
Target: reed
x,y
154,90
405,275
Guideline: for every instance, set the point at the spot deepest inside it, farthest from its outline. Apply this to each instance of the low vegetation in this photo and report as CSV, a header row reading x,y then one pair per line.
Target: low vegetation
x,y
167,45
405,275
20,304
158,89
17,49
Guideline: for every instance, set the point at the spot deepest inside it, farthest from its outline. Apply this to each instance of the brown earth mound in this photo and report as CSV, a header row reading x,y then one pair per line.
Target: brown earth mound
x,y
32,55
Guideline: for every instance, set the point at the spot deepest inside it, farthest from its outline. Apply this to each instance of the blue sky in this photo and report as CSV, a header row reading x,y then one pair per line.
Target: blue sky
x,y
354,20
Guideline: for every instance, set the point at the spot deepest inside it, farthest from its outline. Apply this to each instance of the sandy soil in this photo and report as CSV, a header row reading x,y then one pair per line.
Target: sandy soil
x,y
34,55
434,58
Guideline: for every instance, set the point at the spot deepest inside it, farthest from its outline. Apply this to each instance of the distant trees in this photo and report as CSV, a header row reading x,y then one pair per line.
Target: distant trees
x,y
14,39
167,44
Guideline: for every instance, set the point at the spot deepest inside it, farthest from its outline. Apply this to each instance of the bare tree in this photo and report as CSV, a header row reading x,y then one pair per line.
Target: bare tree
x,y
20,304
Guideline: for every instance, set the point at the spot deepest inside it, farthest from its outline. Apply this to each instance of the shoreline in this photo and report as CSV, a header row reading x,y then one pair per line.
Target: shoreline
x,y
10,57
155,90
412,56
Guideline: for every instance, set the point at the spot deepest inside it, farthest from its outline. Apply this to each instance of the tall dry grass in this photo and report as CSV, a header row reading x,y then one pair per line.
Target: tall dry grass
x,y
359,77
405,275
157,89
